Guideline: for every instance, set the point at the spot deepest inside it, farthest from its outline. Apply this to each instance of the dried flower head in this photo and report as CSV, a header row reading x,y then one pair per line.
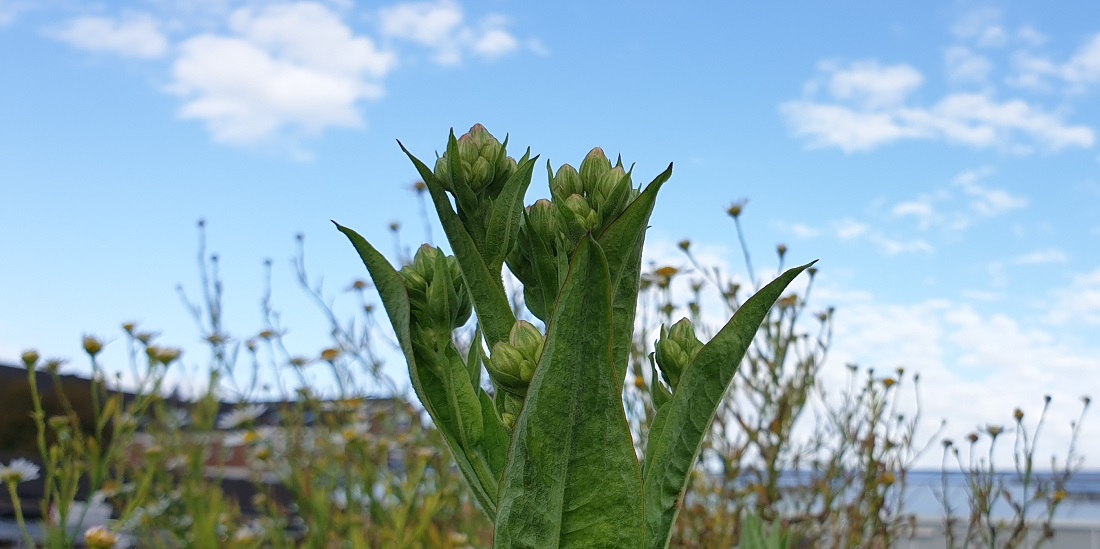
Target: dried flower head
x,y
92,345
99,537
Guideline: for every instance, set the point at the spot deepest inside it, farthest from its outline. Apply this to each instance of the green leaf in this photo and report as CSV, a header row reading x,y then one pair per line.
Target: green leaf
x,y
679,426
476,463
505,214
473,358
572,479
540,296
494,313
461,397
464,196
622,241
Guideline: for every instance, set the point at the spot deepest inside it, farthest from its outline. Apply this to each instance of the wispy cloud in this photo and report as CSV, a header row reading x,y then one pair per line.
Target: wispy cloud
x,y
989,360
865,104
987,201
10,9
1041,257
441,27
874,117
1079,73
961,204
847,229
133,35
1078,302
891,246
966,66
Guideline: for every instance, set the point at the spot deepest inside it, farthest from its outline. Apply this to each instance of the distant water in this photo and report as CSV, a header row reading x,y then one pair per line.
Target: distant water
x,y
1082,503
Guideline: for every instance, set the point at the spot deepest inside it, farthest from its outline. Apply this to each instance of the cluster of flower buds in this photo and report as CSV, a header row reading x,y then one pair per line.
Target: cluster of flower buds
x,y
480,168
582,202
675,350
512,363
474,170
437,295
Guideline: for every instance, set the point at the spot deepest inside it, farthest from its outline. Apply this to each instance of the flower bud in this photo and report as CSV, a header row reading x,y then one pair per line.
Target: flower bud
x,y
443,175
527,339
579,214
567,182
543,221
611,194
92,346
479,174
468,150
509,368
30,359
675,350
593,167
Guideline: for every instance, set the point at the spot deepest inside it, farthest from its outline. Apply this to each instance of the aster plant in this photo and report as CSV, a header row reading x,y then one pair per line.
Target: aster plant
x,y
544,442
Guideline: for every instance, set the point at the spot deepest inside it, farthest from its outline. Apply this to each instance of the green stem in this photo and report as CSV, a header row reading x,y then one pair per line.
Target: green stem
x,y
19,515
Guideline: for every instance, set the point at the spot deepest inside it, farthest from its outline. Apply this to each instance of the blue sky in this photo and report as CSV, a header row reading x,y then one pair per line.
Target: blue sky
x,y
940,159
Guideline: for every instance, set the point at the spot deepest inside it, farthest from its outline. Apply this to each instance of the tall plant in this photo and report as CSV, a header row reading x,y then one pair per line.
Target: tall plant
x,y
548,451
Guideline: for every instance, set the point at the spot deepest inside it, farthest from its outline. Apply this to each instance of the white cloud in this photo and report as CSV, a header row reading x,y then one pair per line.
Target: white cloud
x,y
1083,69
841,127
804,231
987,201
494,43
961,204
915,208
860,116
1078,74
963,65
1041,257
893,247
982,26
286,67
1031,37
440,26
870,84
1078,303
134,35
847,229
991,362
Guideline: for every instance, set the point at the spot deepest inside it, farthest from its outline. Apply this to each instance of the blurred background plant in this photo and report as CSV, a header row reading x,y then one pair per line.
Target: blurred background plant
x,y
831,469
343,458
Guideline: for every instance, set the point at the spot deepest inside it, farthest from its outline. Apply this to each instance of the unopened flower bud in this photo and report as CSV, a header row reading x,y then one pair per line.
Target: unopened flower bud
x,y
611,194
30,359
443,174
582,215
675,350
594,165
543,220
92,346
509,368
567,182
480,174
527,339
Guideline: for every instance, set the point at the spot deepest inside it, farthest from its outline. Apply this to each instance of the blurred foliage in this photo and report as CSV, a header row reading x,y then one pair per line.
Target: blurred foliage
x,y
337,466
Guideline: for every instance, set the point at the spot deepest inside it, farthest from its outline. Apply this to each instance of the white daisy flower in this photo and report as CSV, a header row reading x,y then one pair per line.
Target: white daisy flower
x,y
19,470
240,416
